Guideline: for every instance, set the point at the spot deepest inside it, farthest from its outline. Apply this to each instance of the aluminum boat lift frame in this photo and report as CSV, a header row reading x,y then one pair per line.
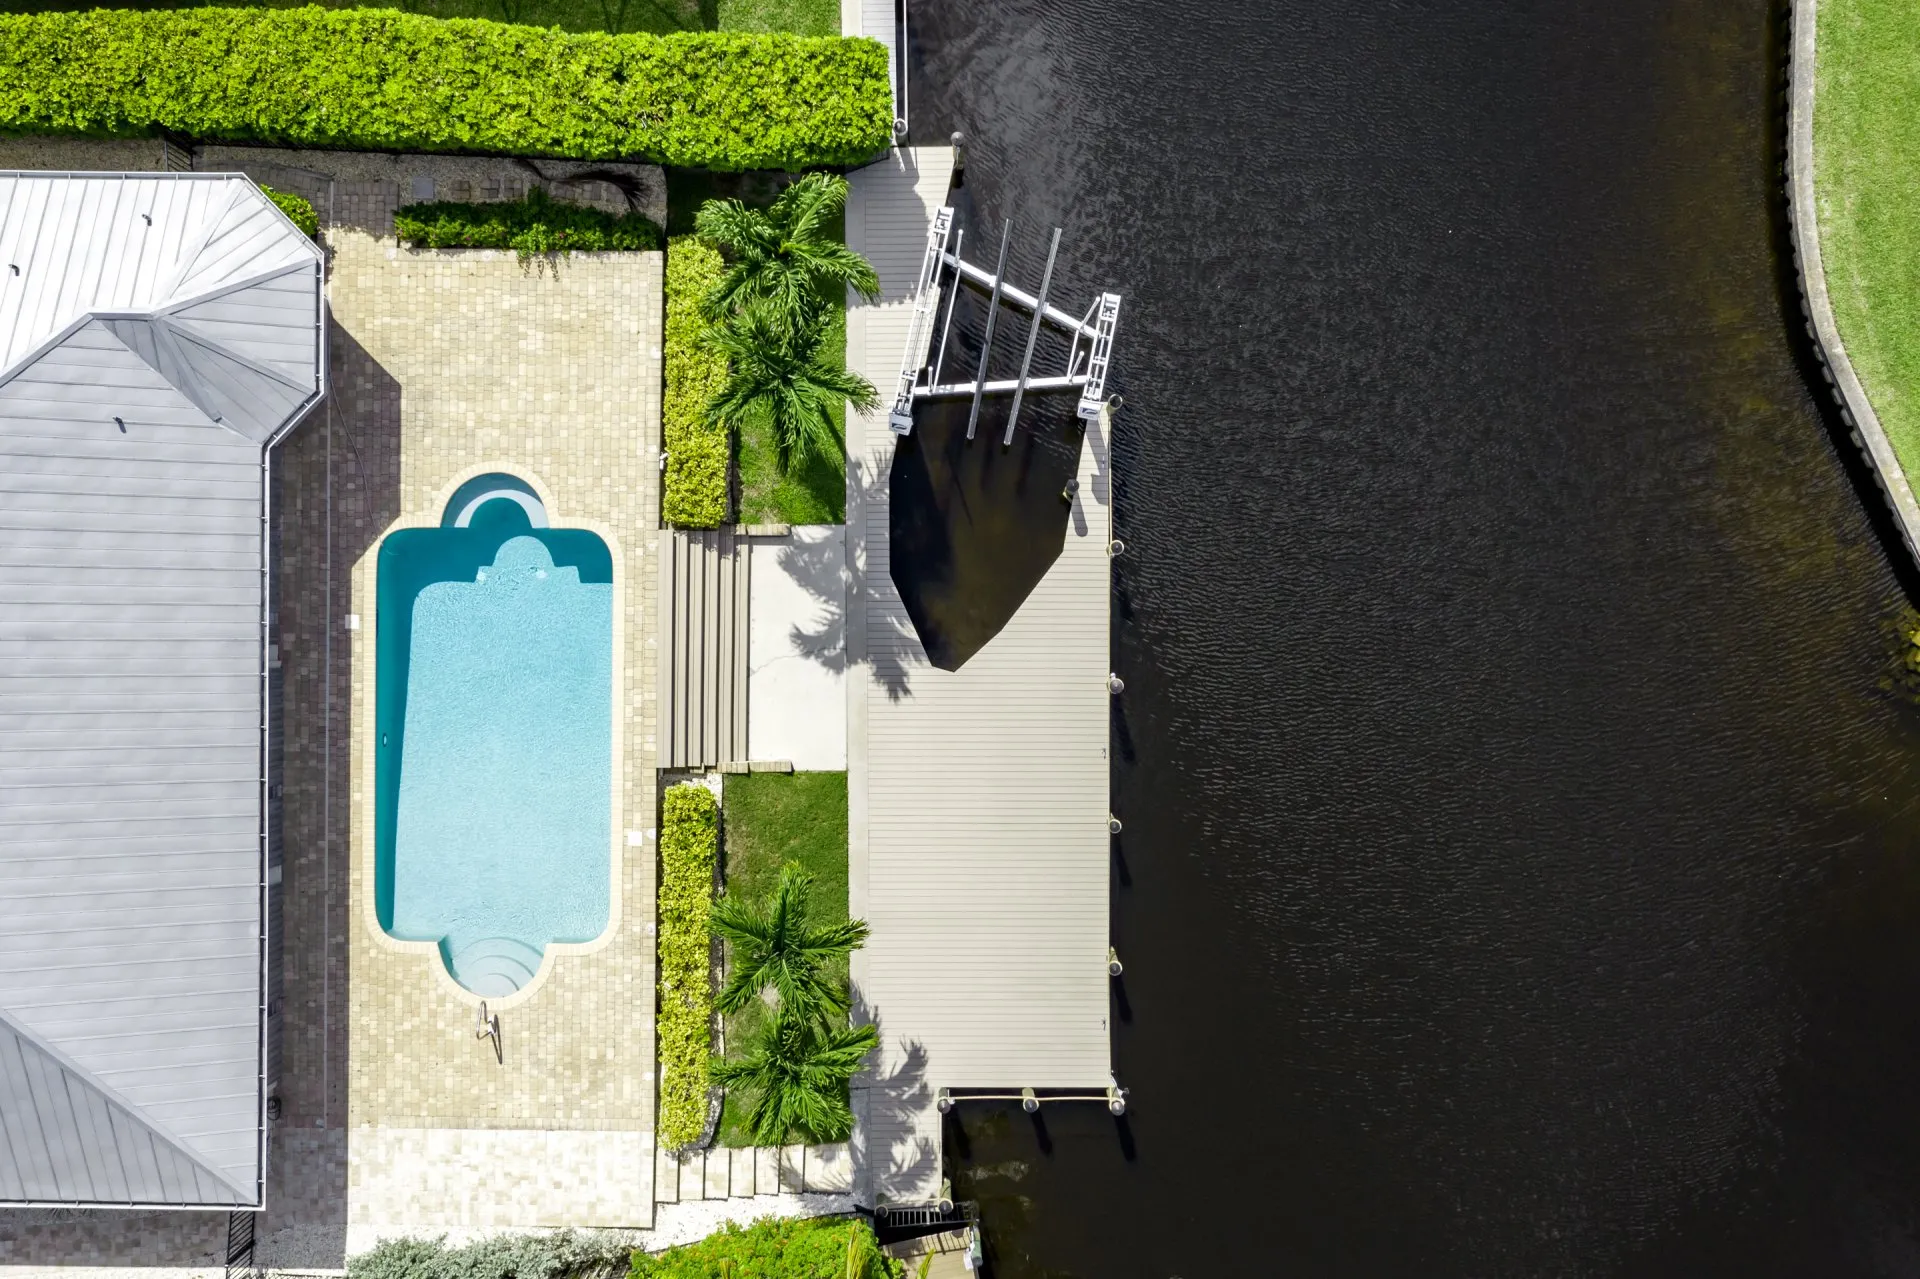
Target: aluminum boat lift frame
x,y
943,271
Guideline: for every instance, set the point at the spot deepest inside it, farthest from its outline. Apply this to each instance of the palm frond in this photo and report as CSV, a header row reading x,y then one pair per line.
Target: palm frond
x,y
796,1075
804,209
835,263
737,230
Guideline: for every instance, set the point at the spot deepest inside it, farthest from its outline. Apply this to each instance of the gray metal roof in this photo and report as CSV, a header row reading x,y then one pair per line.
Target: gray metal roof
x,y
160,331
63,1137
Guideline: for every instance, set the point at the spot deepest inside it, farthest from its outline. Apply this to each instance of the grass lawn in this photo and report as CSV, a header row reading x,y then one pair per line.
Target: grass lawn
x,y
801,17
814,493
768,820
1866,138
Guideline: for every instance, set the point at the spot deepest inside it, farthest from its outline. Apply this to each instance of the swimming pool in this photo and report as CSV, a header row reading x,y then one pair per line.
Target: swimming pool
x,y
494,740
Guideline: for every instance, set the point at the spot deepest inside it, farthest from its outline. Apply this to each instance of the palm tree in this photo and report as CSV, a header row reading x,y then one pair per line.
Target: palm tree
x,y
797,1073
775,945
784,256
778,374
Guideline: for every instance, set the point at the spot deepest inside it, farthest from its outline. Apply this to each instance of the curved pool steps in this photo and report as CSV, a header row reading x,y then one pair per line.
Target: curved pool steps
x,y
494,966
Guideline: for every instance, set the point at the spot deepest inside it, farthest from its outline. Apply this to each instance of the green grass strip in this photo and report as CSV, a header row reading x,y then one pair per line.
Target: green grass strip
x,y
813,491
694,489
689,843
380,79
1866,137
772,819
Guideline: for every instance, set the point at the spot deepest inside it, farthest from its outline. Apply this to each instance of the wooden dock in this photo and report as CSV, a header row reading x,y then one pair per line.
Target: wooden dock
x,y
978,798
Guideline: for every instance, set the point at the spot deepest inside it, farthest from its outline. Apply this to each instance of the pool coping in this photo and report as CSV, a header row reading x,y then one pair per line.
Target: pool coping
x,y
368,856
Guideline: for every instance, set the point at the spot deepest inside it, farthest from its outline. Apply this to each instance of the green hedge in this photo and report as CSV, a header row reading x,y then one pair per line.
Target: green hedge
x,y
383,80
698,452
297,208
538,224
776,1248
689,846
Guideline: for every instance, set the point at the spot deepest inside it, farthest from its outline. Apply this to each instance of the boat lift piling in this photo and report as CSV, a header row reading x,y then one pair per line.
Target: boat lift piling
x,y
993,313
944,270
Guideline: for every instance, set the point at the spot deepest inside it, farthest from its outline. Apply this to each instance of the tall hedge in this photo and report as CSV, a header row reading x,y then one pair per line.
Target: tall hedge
x,y
776,1248
689,850
380,79
694,493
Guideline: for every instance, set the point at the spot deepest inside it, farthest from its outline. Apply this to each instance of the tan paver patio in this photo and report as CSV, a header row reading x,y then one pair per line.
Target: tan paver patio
x,y
450,365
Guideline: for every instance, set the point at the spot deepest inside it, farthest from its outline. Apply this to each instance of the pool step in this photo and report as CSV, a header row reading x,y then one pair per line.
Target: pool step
x,y
494,966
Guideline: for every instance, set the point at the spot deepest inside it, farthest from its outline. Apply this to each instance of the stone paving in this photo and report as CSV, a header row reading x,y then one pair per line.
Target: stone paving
x,y
449,365
360,189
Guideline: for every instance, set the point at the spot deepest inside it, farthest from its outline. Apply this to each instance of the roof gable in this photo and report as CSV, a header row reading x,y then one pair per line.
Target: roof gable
x,y
198,274
65,1138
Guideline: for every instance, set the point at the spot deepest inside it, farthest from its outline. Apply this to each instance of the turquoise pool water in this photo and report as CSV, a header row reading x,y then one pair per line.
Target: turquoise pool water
x,y
493,774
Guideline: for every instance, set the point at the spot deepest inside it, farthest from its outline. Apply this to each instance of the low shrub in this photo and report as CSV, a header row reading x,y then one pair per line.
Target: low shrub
x,y
536,225
297,209
776,1248
694,493
689,847
383,80
562,1255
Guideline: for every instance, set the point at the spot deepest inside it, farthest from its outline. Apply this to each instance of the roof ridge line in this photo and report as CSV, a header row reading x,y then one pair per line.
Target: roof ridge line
x,y
169,309
177,326
184,264
113,1096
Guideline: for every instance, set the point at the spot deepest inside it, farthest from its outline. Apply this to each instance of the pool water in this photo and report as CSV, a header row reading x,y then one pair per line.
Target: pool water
x,y
493,824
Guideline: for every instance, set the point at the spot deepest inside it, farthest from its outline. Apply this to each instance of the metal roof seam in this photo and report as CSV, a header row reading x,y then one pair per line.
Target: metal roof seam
x,y
24,1038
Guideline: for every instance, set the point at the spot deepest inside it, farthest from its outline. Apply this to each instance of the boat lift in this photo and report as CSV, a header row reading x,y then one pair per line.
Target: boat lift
x,y
942,273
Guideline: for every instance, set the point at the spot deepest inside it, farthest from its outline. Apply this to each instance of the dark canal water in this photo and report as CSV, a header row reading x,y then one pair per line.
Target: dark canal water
x,y
1522,860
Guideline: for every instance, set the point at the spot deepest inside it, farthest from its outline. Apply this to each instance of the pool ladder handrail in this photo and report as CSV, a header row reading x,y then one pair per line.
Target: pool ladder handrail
x,y
489,1028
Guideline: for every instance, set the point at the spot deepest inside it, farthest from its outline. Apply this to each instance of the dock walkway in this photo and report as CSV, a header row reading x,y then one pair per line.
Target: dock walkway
x,y
978,798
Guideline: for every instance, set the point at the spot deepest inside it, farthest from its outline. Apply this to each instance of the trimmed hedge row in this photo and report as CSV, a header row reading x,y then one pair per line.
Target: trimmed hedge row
x,y
776,1248
380,79
689,850
536,225
298,208
575,1255
698,452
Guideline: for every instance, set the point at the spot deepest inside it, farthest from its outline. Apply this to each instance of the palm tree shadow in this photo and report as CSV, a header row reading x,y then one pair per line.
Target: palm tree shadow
x,y
818,565
892,646
898,1101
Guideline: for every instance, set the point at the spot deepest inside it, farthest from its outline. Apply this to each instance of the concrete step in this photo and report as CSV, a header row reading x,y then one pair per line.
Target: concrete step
x,y
703,664
749,1172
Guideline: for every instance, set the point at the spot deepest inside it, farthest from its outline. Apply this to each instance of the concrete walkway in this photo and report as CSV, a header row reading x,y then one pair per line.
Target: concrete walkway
x,y
978,798
797,655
